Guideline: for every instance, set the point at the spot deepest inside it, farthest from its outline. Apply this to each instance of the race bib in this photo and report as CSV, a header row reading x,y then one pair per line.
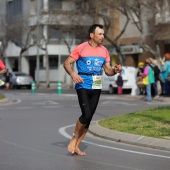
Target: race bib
x,y
97,82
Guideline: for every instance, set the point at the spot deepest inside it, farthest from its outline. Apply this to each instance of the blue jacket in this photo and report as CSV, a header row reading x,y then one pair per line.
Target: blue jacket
x,y
165,70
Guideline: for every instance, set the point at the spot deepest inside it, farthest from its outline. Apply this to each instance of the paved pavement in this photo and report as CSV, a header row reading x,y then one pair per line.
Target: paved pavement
x,y
156,143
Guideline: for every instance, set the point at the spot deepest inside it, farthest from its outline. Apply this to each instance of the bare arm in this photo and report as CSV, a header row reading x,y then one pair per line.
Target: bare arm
x,y
67,66
110,71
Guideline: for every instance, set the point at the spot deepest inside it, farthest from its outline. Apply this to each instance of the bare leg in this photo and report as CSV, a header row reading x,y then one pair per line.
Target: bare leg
x,y
77,150
78,129
7,86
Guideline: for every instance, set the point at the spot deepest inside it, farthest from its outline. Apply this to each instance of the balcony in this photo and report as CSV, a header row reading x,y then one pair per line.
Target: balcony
x,y
60,19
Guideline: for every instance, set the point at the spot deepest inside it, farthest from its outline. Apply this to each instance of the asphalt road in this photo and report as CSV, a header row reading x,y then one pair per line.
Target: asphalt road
x,y
35,130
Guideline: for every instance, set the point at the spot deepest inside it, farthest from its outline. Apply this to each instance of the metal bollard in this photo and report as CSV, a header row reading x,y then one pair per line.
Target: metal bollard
x,y
33,87
59,87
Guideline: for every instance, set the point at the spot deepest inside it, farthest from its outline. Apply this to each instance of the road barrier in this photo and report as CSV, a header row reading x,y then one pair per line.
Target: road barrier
x,y
33,88
59,87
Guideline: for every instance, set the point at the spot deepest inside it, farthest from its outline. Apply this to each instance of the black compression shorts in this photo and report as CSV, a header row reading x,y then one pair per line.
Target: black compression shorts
x,y
88,101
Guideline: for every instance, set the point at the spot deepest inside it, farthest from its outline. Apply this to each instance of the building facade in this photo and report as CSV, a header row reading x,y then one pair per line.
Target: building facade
x,y
155,23
48,33
45,31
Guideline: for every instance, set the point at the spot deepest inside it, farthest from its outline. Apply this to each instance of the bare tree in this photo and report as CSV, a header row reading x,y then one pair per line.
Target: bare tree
x,y
25,44
14,32
113,7
89,12
143,14
6,35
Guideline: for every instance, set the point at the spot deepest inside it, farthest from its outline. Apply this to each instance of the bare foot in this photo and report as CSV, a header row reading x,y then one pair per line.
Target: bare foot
x,y
72,145
79,152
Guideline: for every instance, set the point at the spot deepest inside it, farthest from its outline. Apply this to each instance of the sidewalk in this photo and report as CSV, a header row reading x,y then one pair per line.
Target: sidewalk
x,y
142,97
156,143
5,100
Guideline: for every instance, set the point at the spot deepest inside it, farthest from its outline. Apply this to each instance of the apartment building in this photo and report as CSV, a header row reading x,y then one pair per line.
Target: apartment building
x,y
162,23
157,35
50,29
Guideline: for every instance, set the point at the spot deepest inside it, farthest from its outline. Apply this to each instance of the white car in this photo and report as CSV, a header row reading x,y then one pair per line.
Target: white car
x,y
20,79
129,79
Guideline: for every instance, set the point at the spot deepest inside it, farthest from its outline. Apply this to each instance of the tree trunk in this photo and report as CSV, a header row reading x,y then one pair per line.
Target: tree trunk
x,y
47,70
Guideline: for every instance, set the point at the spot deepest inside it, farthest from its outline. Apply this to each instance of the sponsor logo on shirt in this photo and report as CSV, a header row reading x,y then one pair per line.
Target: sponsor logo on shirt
x,y
98,62
88,62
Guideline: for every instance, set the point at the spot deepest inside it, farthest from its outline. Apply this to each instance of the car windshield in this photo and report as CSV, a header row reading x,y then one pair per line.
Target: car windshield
x,y
21,74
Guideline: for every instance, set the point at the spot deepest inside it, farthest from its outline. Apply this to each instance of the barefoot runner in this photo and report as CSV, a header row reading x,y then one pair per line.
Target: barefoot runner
x,y
90,58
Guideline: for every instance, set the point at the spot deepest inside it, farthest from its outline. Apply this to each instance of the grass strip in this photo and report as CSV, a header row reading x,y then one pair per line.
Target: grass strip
x,y
154,122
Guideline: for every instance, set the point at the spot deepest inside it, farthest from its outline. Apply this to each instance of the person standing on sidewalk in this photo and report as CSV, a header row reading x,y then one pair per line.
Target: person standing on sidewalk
x,y
154,66
90,58
2,67
165,71
139,78
119,84
7,75
148,78
2,71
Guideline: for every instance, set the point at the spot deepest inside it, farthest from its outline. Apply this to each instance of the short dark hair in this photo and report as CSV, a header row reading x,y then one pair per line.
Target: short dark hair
x,y
93,27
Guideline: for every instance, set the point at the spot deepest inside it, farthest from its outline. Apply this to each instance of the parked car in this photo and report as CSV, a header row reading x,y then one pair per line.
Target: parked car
x,y
20,79
129,79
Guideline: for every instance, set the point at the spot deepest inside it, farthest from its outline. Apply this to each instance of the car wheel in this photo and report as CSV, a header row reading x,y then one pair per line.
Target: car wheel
x,y
111,90
18,87
29,87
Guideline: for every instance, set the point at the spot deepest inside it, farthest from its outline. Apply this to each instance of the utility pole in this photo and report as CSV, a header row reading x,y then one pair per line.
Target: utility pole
x,y
45,35
38,52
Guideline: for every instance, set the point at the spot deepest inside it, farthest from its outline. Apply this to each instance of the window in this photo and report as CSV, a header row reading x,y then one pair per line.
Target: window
x,y
55,5
13,10
53,61
54,33
82,4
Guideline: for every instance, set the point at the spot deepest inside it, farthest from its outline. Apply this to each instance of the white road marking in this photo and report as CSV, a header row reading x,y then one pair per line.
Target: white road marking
x,y
114,102
24,108
62,131
46,103
48,107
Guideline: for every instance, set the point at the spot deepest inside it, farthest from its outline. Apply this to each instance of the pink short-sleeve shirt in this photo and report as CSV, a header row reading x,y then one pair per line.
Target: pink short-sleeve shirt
x,y
89,60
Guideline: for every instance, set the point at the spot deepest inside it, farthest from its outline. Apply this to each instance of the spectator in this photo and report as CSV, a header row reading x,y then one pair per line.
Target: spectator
x,y
154,86
148,78
168,82
2,71
165,70
139,77
7,79
120,83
